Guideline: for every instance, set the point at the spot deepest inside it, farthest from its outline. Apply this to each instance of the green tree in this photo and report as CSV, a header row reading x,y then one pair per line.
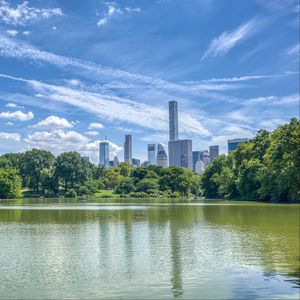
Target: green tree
x,y
111,178
146,185
125,186
10,184
32,164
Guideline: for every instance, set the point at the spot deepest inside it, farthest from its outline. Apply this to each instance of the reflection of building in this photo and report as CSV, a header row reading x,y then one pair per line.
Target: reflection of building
x,y
151,154
213,152
232,144
162,157
173,120
128,149
199,167
136,162
104,154
180,153
196,158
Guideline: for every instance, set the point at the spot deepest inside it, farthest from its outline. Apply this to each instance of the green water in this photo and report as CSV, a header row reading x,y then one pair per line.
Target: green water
x,y
141,249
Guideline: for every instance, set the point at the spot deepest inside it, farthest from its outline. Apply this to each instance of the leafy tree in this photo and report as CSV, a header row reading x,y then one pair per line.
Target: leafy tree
x,y
225,183
111,178
71,168
10,184
32,165
125,186
147,184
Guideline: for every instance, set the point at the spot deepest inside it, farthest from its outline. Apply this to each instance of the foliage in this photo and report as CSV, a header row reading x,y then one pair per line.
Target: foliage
x,y
266,168
10,184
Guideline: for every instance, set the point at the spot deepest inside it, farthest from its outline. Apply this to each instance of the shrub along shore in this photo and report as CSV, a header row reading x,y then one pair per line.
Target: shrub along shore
x,y
266,168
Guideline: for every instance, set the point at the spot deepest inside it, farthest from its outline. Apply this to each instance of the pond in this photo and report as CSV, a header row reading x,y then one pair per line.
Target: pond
x,y
141,249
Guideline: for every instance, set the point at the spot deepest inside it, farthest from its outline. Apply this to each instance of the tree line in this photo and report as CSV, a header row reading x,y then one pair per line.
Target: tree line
x,y
266,168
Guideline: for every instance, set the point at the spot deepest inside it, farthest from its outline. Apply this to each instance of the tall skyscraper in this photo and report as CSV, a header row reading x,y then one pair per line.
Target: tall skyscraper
x,y
104,154
213,152
196,158
180,153
162,157
128,149
232,144
151,154
173,120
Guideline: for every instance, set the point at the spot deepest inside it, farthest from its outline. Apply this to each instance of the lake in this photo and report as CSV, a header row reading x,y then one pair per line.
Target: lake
x,y
143,249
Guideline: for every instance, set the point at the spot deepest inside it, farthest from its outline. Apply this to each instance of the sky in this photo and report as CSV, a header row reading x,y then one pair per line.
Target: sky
x,y
74,73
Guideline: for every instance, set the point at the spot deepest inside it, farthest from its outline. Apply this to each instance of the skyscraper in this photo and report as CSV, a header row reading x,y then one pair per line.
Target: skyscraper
x,y
204,156
128,149
104,154
173,120
232,144
162,157
196,158
136,162
151,154
116,161
180,153
213,152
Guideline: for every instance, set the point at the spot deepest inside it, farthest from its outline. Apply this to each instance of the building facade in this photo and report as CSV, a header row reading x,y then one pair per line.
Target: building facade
x,y
173,120
180,153
104,154
128,149
152,154
199,168
162,157
232,144
204,156
196,158
116,161
136,162
213,152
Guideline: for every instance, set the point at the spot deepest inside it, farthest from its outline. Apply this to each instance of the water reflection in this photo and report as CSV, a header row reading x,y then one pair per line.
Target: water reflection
x,y
145,250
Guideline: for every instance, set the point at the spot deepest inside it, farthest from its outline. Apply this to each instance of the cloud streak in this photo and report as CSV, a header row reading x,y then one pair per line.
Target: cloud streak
x,y
222,44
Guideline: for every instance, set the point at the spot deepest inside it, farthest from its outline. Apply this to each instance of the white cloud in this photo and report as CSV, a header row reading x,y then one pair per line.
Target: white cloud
x,y
294,50
222,44
95,126
12,32
111,10
4,136
91,133
18,115
23,13
274,100
26,32
10,104
54,122
60,140
9,124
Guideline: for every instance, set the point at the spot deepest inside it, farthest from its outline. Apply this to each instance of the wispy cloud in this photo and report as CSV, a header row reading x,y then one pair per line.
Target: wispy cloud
x,y
12,32
222,44
95,126
294,50
23,14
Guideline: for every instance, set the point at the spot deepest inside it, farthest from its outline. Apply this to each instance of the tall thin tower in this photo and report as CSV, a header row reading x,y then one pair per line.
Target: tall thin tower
x,y
128,149
173,120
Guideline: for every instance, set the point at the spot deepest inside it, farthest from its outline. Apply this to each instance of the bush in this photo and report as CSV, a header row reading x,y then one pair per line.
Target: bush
x,y
71,193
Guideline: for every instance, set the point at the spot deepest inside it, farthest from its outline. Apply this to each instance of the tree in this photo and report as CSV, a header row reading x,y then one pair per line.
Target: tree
x,y
111,178
10,184
32,164
71,168
225,182
125,186
147,184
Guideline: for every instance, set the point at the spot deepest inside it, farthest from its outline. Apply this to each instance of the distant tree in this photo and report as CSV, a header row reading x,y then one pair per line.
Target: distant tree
x,y
147,184
10,184
125,186
111,178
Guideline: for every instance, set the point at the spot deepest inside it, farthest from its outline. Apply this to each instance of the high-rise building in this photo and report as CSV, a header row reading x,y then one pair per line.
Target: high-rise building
x,y
204,156
86,158
196,158
199,168
151,154
162,157
116,161
173,120
232,144
145,164
213,152
128,149
136,162
180,153
104,154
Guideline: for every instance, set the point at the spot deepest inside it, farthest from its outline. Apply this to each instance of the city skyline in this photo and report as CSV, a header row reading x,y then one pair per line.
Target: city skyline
x,y
73,74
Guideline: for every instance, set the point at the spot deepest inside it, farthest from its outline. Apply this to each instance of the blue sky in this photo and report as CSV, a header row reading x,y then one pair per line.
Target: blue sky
x,y
75,72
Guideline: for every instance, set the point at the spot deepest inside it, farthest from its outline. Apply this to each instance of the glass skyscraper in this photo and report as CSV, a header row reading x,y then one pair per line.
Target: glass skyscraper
x,y
104,154
232,144
180,153
151,154
213,152
128,149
